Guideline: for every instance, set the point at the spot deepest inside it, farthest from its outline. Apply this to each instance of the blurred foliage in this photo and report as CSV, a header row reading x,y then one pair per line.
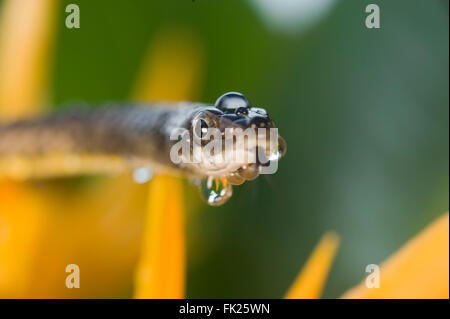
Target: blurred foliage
x,y
364,113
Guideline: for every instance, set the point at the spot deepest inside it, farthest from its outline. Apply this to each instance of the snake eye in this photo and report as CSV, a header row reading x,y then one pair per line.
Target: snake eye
x,y
201,128
231,101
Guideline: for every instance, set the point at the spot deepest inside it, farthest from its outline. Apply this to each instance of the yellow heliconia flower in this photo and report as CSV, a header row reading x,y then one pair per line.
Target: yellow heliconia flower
x,y
309,283
40,226
161,270
418,270
26,34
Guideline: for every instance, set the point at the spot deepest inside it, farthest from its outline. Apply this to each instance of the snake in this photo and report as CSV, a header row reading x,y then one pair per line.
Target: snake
x,y
114,138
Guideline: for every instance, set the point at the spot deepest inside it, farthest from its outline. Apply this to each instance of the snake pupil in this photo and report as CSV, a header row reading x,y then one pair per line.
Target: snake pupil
x,y
203,128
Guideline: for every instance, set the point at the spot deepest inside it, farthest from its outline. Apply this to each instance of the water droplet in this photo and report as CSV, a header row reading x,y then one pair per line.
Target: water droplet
x,y
142,175
194,181
235,179
280,151
249,172
216,191
232,101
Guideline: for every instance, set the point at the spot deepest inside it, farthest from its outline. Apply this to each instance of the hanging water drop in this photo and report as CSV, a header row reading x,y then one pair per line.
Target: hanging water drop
x,y
249,172
215,191
234,179
142,175
194,181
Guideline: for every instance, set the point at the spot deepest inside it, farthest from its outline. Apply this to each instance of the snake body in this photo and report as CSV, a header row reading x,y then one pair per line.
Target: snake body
x,y
113,139
110,139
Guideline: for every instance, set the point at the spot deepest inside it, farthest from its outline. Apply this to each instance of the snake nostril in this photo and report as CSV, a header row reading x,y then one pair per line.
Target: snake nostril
x,y
241,111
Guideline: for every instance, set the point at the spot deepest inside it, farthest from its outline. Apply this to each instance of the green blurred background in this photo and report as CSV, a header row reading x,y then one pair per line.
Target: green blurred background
x,y
364,113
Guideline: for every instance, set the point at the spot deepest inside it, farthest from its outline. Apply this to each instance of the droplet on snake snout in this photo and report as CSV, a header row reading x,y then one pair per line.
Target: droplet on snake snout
x,y
232,101
215,191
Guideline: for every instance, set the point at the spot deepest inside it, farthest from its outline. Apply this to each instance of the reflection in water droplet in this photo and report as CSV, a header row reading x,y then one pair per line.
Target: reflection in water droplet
x,y
216,191
142,175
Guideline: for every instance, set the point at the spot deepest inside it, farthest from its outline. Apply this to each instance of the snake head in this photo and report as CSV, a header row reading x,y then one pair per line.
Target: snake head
x,y
234,140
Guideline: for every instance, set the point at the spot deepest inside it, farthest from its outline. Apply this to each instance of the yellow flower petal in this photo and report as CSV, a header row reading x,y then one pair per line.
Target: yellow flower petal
x,y
25,34
20,227
310,282
172,69
170,72
420,269
161,270
98,227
